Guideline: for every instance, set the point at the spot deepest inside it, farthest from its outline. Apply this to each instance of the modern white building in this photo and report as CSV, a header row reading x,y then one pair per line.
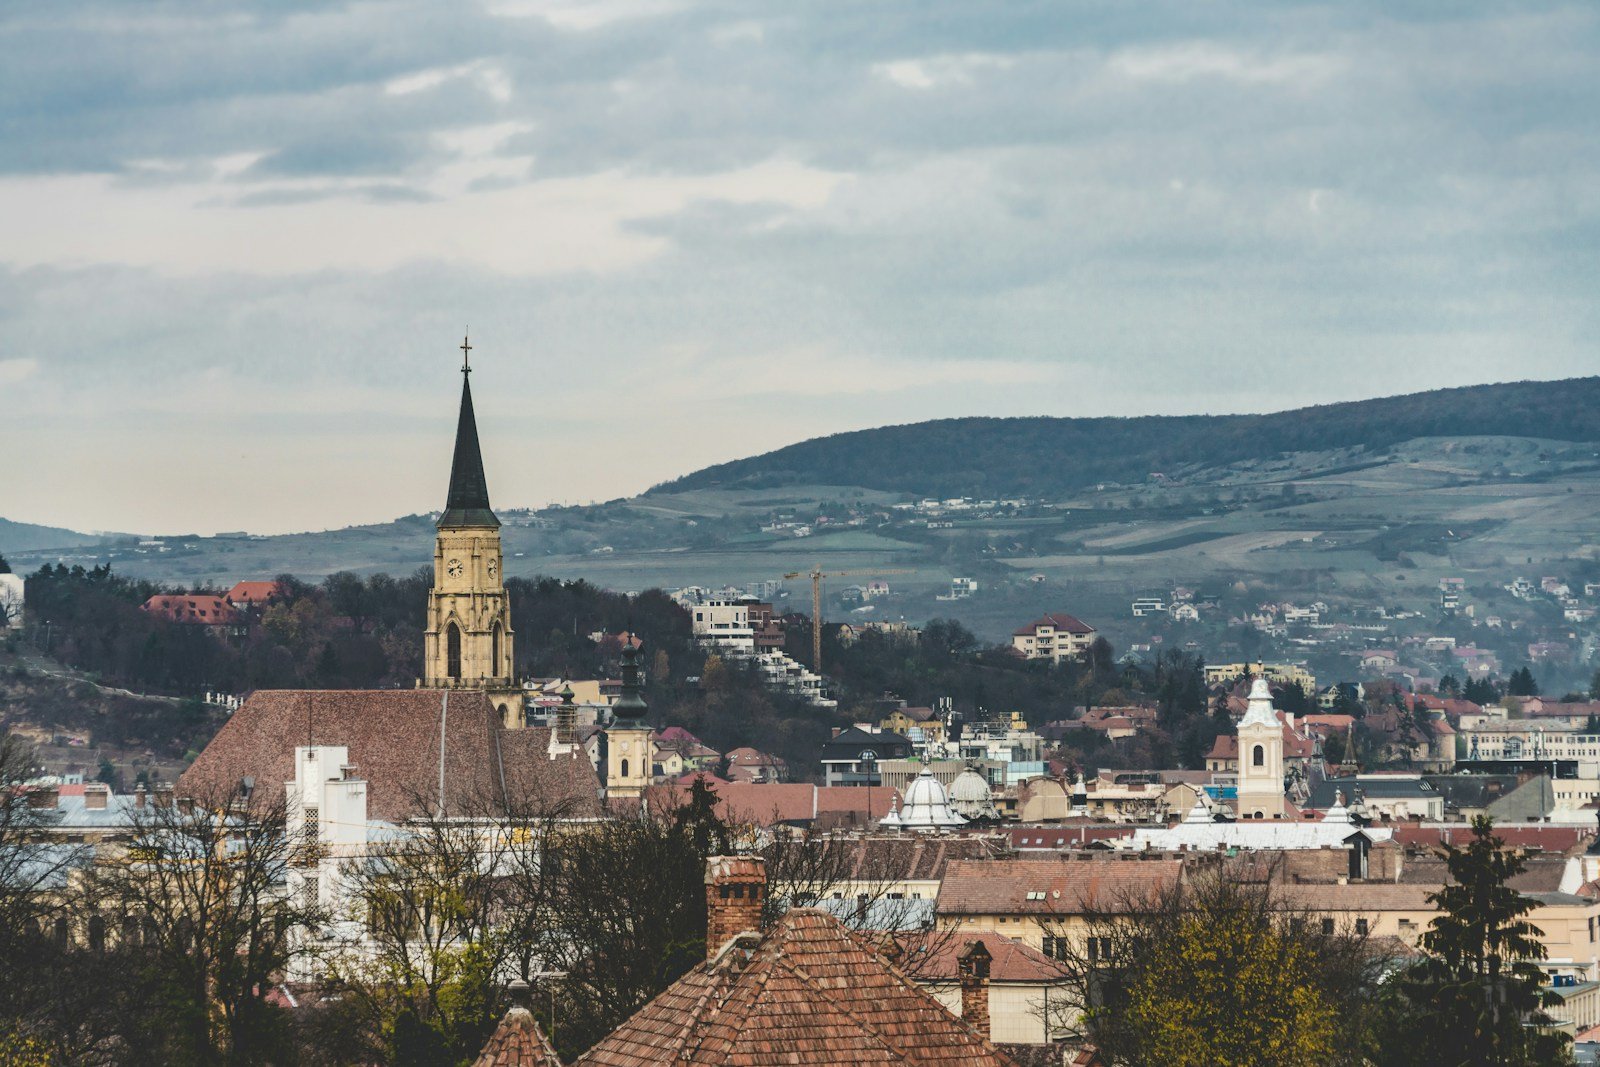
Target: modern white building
x,y
723,623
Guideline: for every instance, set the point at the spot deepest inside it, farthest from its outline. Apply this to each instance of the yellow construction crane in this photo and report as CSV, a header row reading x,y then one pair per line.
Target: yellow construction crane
x,y
816,575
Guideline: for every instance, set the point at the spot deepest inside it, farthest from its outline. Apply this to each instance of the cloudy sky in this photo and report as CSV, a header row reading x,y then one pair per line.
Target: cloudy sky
x,y
239,241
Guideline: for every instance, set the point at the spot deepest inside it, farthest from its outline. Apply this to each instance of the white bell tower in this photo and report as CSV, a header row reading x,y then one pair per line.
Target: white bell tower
x,y
1260,757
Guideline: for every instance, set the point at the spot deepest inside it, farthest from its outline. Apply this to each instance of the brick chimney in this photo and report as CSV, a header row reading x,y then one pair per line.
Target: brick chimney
x,y
44,796
96,796
139,796
973,967
736,887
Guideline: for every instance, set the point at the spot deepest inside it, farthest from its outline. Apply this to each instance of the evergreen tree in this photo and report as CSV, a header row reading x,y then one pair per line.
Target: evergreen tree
x,y
1522,684
1476,1000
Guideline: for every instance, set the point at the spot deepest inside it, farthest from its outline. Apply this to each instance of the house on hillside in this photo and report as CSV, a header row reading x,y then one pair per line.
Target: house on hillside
x,y
219,618
1054,637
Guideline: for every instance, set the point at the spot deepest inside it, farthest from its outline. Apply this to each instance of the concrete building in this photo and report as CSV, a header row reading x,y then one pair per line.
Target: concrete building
x,y
1054,637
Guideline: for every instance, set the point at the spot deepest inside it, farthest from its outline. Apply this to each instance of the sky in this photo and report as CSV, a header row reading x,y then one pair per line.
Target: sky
x,y
240,240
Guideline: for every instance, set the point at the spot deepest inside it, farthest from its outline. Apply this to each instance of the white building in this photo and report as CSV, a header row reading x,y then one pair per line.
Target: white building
x,y
1054,637
1260,757
327,821
724,623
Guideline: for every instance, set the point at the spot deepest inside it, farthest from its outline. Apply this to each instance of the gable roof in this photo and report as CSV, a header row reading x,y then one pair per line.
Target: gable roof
x,y
931,956
517,1042
1057,620
394,739
1055,886
254,592
192,610
806,992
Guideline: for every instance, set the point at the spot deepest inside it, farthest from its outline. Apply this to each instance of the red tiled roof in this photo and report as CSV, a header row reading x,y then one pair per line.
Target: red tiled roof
x,y
808,993
394,737
253,592
1059,886
931,956
1226,746
1072,834
517,1042
1546,838
1058,620
199,610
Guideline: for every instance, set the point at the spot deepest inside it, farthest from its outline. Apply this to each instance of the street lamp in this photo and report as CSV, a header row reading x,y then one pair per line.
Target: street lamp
x,y
551,975
869,760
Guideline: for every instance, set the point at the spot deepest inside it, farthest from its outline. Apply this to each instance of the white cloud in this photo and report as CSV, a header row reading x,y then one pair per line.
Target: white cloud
x,y
935,72
16,371
1195,60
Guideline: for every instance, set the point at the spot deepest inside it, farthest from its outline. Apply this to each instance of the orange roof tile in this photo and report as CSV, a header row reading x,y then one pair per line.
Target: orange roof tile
x,y
806,992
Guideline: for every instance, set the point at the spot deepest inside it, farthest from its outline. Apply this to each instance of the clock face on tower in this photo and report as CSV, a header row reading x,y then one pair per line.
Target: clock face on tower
x,y
453,568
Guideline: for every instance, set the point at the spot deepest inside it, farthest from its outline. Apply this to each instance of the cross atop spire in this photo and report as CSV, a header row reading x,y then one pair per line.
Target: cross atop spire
x,y
467,503
466,351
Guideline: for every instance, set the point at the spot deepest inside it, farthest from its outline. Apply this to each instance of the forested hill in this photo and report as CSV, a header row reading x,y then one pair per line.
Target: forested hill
x,y
992,457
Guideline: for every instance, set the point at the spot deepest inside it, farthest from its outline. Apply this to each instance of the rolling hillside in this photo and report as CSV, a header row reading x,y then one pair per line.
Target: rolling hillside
x,y
1047,457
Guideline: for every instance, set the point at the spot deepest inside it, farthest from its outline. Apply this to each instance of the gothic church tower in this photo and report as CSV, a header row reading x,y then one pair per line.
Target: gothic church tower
x,y
469,640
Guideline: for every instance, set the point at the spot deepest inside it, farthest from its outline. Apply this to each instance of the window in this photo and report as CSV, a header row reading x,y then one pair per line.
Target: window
x,y
1258,756
1297,926
1327,926
494,651
624,769
1361,926
452,651
1099,948
312,828
1055,947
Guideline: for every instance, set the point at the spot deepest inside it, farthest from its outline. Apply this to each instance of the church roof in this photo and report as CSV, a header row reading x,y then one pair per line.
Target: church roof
x,y
806,992
399,741
468,501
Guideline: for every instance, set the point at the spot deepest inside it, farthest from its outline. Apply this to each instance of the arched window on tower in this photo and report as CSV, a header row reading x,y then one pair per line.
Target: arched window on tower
x,y
624,768
1259,756
494,651
452,651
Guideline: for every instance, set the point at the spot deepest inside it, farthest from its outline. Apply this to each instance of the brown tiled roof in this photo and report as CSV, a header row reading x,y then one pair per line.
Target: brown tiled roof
x,y
931,956
1546,838
1360,896
1058,620
806,993
517,1042
914,858
1003,887
1227,745
394,738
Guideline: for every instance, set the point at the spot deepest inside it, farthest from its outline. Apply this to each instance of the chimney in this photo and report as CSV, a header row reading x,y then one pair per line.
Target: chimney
x,y
44,796
973,967
139,796
163,797
96,795
735,888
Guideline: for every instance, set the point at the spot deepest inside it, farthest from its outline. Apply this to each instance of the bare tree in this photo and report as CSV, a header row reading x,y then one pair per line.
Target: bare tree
x,y
199,891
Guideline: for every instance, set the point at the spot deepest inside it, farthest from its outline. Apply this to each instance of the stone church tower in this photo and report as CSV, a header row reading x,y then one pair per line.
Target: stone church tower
x,y
1260,757
630,748
469,642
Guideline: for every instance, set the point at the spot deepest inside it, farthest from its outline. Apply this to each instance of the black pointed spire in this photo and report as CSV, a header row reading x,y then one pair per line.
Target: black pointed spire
x,y
629,709
468,502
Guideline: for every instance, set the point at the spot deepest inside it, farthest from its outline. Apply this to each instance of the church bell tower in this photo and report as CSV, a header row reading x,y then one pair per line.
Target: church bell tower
x,y
469,640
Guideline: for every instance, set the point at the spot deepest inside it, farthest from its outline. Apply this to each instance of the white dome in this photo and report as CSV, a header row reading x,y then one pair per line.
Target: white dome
x,y
971,797
927,807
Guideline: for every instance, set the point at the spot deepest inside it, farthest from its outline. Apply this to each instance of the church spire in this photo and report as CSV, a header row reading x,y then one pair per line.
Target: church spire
x,y
468,501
